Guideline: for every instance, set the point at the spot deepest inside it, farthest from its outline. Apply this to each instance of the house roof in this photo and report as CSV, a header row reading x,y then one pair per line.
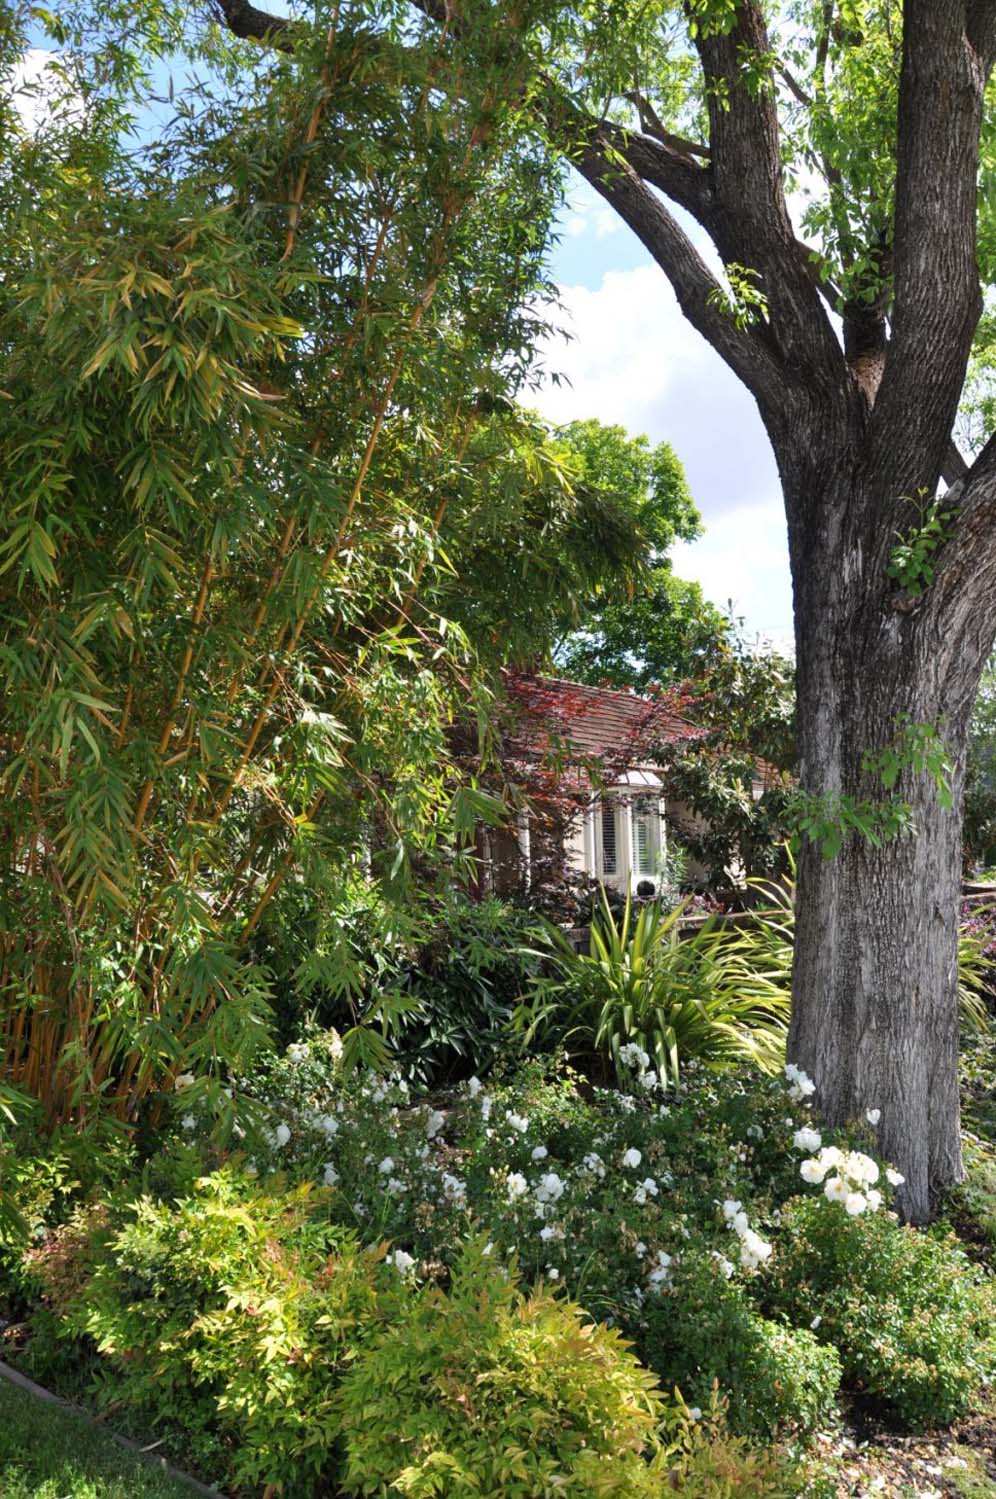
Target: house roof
x,y
618,728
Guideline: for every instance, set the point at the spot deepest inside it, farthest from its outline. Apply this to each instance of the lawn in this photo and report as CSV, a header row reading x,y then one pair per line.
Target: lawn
x,y
46,1453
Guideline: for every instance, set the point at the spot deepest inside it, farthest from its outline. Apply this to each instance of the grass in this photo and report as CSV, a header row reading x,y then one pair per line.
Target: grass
x,y
47,1453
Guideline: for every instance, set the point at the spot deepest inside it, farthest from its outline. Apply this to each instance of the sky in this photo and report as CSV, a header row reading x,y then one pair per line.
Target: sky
x,y
633,360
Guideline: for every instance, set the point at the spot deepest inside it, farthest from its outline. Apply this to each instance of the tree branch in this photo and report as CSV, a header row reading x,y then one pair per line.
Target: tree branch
x,y
937,300
746,350
245,20
651,124
751,224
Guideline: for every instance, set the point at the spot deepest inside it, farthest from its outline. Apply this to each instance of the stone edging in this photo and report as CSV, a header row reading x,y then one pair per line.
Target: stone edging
x,y
40,1393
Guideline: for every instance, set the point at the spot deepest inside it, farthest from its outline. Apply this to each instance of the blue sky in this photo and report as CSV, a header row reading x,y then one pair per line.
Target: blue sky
x,y
635,361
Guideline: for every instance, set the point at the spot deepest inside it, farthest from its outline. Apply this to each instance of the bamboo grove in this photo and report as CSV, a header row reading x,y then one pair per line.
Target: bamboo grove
x,y
247,368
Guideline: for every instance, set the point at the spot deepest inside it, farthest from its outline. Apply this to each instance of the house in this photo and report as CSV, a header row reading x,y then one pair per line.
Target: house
x,y
587,762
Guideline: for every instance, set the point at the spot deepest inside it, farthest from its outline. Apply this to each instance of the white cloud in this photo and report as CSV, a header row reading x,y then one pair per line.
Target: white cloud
x,y
635,361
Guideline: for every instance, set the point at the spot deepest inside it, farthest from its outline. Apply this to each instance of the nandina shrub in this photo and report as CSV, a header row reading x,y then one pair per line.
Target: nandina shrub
x,y
907,1312
487,1392
703,1330
228,1316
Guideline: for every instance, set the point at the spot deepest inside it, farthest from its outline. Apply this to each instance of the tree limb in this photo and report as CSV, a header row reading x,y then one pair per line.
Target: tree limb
x,y
746,350
751,224
651,124
937,299
246,21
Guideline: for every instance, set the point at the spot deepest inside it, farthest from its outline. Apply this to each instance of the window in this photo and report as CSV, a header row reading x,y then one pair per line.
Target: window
x,y
646,837
609,852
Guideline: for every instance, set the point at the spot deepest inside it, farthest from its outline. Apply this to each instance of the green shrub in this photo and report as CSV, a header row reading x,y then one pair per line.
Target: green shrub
x,y
228,1316
705,1329
905,1310
678,998
488,1393
705,1461
464,982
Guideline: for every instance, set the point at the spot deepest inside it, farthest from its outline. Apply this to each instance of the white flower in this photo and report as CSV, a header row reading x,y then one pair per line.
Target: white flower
x,y
725,1265
331,1176
639,1249
639,1196
281,1136
802,1086
434,1123
812,1171
816,1322
455,1189
386,1166
631,1157
694,1413
188,1122
731,1208
517,1122
808,1140
873,1116
753,1249
516,1186
836,1189
395,1187
548,1232
855,1204
649,1186
860,1167
550,1189
402,1262
593,1162
660,1271
540,1153
328,1125
297,1051
473,1086
486,1107
739,1224
755,1132
185,1080
874,1199
893,1177
552,1272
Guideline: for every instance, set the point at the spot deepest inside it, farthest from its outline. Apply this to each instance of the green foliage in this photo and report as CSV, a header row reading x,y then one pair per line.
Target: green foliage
x,y
678,998
226,1315
913,558
979,823
905,1311
706,1462
483,1391
707,1329
743,696
233,429
552,529
662,634
742,300
464,983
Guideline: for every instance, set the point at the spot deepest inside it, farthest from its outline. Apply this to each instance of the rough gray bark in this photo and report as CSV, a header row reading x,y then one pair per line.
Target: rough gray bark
x,y
861,429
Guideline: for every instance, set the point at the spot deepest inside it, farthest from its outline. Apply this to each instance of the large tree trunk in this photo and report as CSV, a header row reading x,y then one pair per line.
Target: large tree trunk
x,y
875,1007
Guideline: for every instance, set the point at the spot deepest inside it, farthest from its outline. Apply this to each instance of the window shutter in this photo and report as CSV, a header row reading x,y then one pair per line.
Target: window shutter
x,y
609,854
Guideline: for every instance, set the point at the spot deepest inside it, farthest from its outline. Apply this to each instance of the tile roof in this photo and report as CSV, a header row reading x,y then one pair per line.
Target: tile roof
x,y
606,723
